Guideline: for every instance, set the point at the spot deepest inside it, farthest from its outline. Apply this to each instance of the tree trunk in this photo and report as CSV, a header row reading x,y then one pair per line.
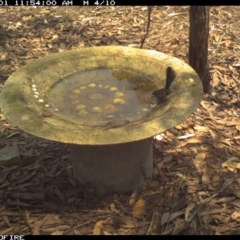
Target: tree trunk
x,y
198,43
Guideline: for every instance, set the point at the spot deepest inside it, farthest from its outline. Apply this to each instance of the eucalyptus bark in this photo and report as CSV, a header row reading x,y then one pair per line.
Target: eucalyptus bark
x,y
198,43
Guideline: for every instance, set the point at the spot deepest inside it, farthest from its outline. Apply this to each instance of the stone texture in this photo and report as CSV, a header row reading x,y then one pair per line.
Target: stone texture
x,y
119,167
9,156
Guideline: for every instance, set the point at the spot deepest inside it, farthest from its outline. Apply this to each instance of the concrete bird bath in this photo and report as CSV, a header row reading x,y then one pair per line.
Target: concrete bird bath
x,y
94,99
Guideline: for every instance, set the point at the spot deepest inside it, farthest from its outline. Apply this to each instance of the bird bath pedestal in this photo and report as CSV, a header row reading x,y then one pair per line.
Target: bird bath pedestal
x,y
96,100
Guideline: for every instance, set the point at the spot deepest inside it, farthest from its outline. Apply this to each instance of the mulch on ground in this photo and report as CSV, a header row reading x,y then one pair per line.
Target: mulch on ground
x,y
196,182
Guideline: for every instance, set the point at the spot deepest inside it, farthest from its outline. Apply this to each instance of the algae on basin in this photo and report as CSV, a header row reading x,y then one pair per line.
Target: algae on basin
x,y
93,97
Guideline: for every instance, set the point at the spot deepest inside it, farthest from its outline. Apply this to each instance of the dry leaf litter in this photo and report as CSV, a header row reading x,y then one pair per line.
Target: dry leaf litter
x,y
196,182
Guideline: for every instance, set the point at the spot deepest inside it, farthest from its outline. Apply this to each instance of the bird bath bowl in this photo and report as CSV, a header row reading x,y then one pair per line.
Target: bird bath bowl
x,y
97,101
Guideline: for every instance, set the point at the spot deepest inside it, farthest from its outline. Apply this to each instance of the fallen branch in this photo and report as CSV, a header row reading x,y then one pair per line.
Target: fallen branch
x,y
150,9
21,195
208,200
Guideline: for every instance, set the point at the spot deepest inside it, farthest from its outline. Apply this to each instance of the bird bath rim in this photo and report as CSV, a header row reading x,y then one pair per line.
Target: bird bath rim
x,y
20,106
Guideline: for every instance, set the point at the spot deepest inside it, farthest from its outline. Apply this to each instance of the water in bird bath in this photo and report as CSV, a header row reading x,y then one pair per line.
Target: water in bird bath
x,y
100,96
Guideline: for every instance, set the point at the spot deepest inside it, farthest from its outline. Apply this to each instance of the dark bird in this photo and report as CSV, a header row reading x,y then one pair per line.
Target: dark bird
x,y
162,93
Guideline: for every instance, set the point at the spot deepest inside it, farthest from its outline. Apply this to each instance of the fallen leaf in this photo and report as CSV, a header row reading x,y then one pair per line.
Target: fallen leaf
x,y
165,159
225,199
5,231
167,217
210,212
236,192
194,140
98,228
190,206
201,128
205,178
217,37
139,209
207,219
57,232
200,158
199,161
133,197
235,203
215,179
225,228
124,220
113,208
135,225
231,163
36,230
235,215
238,165
5,219
180,227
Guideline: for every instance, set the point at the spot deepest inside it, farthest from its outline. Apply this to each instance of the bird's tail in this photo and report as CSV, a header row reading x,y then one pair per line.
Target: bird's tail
x,y
170,76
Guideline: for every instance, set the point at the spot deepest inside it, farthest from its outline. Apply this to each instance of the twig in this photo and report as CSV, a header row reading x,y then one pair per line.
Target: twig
x,y
150,225
175,200
220,37
150,9
25,220
231,34
124,210
198,216
21,195
201,205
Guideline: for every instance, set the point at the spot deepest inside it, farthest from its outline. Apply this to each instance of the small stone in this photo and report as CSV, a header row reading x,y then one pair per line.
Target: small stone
x,y
96,109
107,86
119,100
33,85
34,89
100,85
76,91
80,107
56,110
83,87
36,96
40,100
145,109
110,116
9,156
113,89
46,105
119,94
83,113
92,85
36,93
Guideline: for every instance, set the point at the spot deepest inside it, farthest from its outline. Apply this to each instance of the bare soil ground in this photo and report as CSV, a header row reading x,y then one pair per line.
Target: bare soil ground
x,y
196,181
